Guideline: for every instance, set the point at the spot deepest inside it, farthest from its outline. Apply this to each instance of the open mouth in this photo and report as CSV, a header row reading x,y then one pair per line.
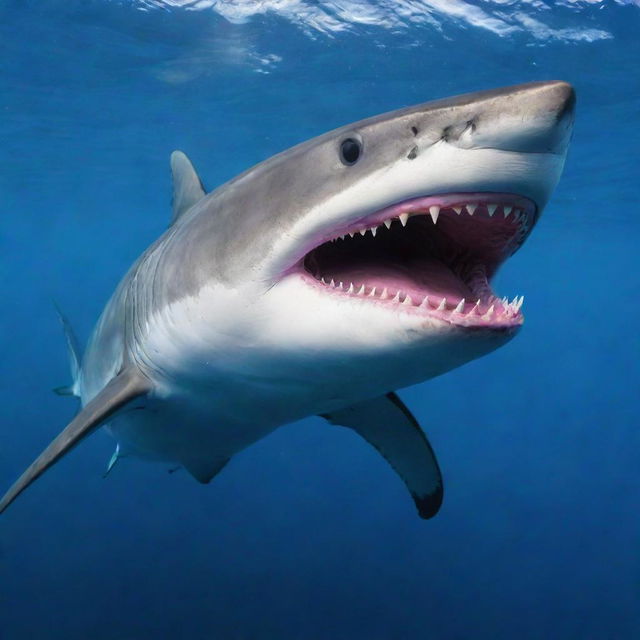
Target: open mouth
x,y
434,256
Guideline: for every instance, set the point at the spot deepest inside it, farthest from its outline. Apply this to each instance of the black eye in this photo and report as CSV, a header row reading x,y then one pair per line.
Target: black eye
x,y
350,151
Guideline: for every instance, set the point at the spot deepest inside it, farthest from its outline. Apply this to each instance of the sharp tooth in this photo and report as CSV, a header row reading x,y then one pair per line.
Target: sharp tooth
x,y
350,289
351,234
363,231
474,308
434,212
491,208
361,291
425,303
322,280
403,219
442,305
489,313
385,294
458,210
471,208
507,211
460,306
396,298
333,284
373,293
340,286
408,301
520,302
373,231
387,223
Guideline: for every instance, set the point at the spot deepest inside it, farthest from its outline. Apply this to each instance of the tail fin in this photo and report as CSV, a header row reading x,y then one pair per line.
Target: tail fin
x,y
126,386
73,351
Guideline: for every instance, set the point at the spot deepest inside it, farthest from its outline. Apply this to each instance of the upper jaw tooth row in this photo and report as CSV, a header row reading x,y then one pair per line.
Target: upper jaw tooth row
x,y
498,307
517,214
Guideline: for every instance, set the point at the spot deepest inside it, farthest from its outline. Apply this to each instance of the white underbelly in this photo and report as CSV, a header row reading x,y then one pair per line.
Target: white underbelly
x,y
182,427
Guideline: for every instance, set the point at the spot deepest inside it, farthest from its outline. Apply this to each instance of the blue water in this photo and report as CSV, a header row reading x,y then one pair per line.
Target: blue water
x,y
308,534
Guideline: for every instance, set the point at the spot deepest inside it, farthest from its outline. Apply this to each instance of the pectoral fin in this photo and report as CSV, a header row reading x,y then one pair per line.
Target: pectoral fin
x,y
126,386
388,425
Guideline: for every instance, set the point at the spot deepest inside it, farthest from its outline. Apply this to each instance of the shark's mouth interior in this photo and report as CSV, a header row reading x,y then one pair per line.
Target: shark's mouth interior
x,y
434,255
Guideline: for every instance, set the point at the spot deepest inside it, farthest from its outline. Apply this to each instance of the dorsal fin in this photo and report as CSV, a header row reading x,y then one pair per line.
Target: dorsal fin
x,y
126,386
187,187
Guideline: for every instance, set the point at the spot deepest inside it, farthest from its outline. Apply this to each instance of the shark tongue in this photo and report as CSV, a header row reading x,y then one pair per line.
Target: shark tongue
x,y
426,276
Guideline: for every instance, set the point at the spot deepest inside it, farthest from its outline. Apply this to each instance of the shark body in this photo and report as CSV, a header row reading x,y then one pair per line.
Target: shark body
x,y
318,282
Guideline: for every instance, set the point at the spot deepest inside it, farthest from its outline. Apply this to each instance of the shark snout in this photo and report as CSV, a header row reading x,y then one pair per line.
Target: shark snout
x,y
561,98
549,109
530,118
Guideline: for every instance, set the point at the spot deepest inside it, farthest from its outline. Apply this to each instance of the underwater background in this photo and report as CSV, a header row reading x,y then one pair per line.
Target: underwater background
x,y
309,534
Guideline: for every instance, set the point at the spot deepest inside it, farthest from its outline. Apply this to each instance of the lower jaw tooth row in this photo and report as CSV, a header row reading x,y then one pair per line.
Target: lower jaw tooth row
x,y
518,215
502,307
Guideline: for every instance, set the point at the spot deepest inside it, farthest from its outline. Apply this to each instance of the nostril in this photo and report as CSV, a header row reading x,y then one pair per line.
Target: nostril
x,y
455,131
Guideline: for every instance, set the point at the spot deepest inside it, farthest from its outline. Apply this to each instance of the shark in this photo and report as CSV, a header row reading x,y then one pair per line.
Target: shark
x,y
318,283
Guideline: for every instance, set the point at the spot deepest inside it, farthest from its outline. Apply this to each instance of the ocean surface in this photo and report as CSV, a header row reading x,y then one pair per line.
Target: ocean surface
x,y
309,534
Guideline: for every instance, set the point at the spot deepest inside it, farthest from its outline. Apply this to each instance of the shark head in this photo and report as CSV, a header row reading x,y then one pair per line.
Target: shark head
x,y
366,255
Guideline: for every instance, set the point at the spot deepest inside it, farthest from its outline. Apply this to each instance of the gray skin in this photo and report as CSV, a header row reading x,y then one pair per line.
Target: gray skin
x,y
231,231
228,232
186,372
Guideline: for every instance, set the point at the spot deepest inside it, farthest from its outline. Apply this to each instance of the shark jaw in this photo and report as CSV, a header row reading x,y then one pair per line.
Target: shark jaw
x,y
426,209
430,256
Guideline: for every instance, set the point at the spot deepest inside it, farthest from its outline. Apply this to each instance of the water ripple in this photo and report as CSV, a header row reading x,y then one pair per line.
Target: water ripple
x,y
538,19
